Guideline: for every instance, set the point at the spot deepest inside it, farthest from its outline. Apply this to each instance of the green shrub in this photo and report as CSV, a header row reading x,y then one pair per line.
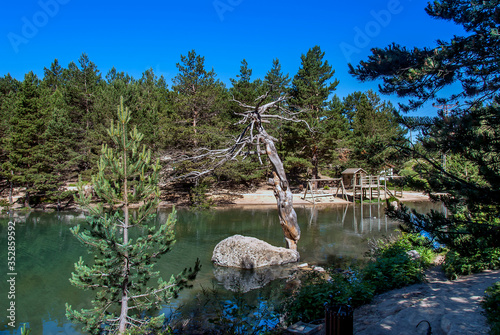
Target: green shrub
x,y
391,267
456,265
307,304
198,198
491,305
393,271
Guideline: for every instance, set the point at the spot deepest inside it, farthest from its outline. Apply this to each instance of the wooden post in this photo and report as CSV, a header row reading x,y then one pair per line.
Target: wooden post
x,y
378,188
385,186
370,187
310,185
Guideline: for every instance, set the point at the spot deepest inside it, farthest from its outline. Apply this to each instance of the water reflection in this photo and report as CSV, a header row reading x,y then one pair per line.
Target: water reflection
x,y
244,280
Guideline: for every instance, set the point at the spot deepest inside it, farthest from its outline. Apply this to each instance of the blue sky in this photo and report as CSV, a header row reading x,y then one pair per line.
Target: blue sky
x,y
136,35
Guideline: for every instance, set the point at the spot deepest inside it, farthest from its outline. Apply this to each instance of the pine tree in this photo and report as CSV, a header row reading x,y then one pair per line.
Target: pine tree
x,y
53,76
310,89
82,85
125,246
375,130
311,85
275,81
244,89
59,148
336,139
197,100
468,67
152,96
9,88
24,141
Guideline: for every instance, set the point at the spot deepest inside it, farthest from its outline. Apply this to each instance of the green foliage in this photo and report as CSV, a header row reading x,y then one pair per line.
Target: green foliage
x,y
343,288
125,247
391,267
457,154
456,265
393,271
24,330
491,305
218,312
245,90
310,89
198,198
275,81
307,303
375,130
197,100
51,130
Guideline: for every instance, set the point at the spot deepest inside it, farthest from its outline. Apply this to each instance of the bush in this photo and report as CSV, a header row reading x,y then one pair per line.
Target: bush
x,y
198,198
393,271
456,265
307,304
391,267
491,305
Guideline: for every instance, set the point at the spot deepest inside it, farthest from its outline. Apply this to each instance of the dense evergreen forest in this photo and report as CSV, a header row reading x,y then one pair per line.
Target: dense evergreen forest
x,y
52,128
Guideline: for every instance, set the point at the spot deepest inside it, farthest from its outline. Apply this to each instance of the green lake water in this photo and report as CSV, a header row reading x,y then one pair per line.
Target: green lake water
x,y
46,252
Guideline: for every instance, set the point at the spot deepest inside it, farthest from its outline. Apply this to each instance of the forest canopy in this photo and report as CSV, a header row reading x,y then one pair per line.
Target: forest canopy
x,y
52,128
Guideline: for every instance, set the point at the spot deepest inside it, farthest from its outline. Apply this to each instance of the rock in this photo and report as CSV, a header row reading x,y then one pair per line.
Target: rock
x,y
413,254
249,253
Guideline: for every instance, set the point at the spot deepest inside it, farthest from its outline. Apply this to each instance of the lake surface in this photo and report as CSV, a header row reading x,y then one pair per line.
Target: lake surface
x,y
46,252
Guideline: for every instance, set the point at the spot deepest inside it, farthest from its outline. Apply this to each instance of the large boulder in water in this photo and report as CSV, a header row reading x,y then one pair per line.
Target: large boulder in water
x,y
248,253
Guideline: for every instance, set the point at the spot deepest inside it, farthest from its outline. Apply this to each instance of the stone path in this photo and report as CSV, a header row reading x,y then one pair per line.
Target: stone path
x,y
451,307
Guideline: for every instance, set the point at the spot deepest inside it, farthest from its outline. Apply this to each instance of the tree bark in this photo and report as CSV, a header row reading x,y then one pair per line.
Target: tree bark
x,y
283,194
126,264
11,188
27,197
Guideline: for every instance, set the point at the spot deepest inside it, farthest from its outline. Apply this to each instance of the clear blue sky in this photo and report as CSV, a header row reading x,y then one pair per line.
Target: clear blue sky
x,y
136,35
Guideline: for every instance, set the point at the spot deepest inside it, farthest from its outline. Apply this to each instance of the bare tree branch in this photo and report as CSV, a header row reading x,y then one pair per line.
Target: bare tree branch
x,y
254,134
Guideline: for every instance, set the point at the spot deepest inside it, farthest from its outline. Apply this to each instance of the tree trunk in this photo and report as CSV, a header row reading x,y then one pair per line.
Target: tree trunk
x,y
284,196
314,162
195,120
27,198
11,188
126,269
126,264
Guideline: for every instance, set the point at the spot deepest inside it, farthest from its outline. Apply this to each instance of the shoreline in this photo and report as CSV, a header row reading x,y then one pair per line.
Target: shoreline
x,y
263,197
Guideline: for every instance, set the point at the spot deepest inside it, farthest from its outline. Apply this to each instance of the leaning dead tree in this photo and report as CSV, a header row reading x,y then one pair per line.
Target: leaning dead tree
x,y
252,140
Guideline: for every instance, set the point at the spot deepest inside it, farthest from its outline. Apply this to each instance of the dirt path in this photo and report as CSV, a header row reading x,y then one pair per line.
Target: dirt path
x,y
451,307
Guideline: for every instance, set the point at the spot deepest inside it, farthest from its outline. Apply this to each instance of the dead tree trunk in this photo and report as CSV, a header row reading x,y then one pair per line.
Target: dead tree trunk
x,y
284,198
254,134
